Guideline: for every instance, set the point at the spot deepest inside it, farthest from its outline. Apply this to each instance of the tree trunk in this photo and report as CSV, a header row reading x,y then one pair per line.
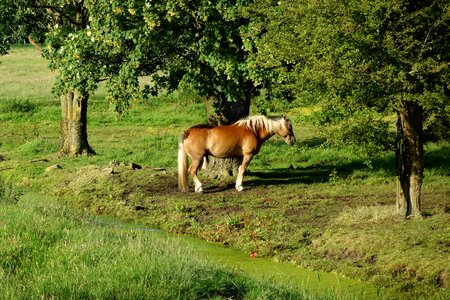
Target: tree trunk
x,y
74,140
409,159
220,111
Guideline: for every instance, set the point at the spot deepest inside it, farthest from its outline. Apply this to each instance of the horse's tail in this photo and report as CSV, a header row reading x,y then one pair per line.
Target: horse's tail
x,y
183,184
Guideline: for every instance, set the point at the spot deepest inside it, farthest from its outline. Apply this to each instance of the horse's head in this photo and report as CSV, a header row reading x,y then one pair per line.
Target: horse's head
x,y
286,131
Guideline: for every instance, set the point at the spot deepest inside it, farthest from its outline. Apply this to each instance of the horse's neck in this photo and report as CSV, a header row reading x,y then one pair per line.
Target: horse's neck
x,y
267,132
263,129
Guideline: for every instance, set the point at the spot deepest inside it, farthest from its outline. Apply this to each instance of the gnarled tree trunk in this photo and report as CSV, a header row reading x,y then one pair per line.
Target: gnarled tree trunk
x,y
409,159
74,140
220,111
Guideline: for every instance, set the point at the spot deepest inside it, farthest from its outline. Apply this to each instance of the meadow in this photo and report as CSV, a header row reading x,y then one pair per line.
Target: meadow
x,y
315,206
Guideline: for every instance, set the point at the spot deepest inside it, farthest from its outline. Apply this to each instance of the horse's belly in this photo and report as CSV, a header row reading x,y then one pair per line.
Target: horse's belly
x,y
223,150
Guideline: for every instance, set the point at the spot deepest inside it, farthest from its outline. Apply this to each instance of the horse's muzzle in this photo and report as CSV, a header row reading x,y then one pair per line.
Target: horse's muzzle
x,y
290,140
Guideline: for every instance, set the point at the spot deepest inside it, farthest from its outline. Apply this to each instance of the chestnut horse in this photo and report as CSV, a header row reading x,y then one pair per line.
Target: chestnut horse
x,y
241,139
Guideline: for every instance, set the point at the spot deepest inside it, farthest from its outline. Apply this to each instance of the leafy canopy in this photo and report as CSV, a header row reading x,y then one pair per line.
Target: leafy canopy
x,y
358,59
175,43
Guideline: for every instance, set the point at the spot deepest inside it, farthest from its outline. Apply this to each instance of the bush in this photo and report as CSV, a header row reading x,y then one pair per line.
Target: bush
x,y
18,106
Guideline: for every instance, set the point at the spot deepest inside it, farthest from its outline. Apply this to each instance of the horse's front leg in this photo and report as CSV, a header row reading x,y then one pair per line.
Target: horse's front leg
x,y
245,161
193,171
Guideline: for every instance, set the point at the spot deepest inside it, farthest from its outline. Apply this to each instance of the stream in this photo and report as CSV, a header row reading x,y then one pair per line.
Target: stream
x,y
261,267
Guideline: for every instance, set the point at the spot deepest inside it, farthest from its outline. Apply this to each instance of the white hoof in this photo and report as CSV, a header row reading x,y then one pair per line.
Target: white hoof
x,y
240,188
199,189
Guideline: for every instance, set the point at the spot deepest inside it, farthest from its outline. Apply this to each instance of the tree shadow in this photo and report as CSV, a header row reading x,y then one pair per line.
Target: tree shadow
x,y
307,175
319,173
313,142
436,161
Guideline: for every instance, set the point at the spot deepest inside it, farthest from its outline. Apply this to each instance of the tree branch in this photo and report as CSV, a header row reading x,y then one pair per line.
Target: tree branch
x,y
60,12
34,43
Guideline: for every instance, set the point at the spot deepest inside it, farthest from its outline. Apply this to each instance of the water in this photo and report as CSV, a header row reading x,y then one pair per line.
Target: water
x,y
285,272
262,267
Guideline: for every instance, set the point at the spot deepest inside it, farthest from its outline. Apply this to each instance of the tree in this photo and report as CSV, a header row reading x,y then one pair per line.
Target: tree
x,y
57,20
5,23
193,44
362,60
207,54
73,89
176,43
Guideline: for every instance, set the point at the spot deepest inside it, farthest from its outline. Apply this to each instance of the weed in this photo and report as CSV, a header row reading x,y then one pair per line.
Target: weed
x,y
9,194
366,214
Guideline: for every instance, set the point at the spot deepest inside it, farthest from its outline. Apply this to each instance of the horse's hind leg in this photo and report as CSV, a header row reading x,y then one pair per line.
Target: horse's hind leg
x,y
193,171
245,161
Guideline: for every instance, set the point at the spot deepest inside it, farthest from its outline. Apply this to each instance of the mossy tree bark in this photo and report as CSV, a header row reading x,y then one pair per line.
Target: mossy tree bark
x,y
74,138
409,159
220,111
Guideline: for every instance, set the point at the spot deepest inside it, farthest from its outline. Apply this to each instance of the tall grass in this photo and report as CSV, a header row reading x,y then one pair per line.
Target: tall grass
x,y
50,252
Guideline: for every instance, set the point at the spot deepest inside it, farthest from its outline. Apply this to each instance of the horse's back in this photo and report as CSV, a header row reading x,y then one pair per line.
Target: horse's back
x,y
220,141
230,141
197,132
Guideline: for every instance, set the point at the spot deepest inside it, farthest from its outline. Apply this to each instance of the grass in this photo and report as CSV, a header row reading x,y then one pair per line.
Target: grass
x,y
50,252
316,207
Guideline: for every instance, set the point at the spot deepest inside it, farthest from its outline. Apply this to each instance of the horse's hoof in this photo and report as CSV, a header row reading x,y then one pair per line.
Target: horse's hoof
x,y
199,190
240,188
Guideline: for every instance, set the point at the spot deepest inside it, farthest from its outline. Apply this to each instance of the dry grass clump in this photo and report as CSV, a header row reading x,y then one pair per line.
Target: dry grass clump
x,y
367,214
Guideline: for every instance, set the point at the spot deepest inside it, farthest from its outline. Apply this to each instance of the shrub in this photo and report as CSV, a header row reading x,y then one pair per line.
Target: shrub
x,y
18,106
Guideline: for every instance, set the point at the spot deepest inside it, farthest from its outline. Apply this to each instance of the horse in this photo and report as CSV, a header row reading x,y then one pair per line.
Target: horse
x,y
242,139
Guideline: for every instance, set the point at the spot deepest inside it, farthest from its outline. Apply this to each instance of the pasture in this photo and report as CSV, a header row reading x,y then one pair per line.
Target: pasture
x,y
312,205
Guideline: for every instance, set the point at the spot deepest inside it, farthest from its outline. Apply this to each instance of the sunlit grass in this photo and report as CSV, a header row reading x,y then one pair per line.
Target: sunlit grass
x,y
25,65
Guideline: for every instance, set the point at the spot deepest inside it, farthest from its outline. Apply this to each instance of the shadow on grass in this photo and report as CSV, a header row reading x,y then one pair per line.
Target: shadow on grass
x,y
437,161
289,176
217,189
313,142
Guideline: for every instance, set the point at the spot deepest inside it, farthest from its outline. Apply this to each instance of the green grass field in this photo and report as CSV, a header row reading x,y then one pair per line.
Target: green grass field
x,y
318,207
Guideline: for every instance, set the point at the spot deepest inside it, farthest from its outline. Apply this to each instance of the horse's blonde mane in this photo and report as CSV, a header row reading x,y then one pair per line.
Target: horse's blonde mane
x,y
255,123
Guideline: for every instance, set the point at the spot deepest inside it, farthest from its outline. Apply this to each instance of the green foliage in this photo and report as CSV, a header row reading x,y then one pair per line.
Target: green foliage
x,y
21,19
364,133
355,56
193,45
